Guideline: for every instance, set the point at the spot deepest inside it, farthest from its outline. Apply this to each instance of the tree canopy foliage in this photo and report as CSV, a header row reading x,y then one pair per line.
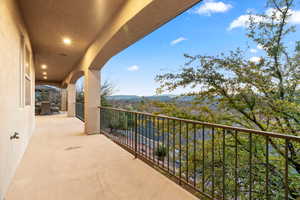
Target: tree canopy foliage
x,y
262,95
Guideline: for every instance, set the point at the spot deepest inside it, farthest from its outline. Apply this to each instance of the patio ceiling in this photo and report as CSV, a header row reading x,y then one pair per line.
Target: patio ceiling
x,y
49,22
70,36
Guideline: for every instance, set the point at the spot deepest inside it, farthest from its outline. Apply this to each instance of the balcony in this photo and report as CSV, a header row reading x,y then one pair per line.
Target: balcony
x,y
63,163
111,153
141,155
212,161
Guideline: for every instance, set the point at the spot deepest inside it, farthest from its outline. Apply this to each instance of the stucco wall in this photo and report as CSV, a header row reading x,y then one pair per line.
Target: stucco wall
x,y
13,117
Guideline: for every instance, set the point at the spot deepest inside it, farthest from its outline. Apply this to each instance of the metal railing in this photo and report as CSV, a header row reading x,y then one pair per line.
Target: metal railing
x,y
79,111
215,161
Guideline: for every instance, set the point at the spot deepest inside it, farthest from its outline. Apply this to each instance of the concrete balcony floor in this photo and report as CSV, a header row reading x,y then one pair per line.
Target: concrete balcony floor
x,y
61,163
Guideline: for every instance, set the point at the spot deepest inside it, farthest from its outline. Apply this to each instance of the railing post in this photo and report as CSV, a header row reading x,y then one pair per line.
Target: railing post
x,y
91,101
135,135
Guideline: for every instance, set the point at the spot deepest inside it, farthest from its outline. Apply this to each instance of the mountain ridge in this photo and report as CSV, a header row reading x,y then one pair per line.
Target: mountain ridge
x,y
153,97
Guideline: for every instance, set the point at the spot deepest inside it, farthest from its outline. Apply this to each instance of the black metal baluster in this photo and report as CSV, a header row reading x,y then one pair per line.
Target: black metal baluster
x,y
139,134
180,152
250,166
203,162
174,141
213,161
111,120
267,168
194,155
147,136
129,129
158,138
152,137
187,153
286,170
114,130
126,129
153,141
132,129
106,119
109,123
168,143
103,119
143,134
163,139
120,128
235,167
113,124
223,171
117,130
123,132
135,134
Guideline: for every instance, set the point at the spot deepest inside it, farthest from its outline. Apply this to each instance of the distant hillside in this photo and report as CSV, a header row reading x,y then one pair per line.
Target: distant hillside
x,y
135,98
123,97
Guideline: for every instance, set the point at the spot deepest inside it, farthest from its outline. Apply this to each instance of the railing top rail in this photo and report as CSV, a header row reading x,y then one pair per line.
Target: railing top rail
x,y
245,130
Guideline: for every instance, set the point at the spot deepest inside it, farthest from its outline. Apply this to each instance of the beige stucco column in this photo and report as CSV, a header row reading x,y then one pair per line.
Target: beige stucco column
x,y
71,100
92,101
63,100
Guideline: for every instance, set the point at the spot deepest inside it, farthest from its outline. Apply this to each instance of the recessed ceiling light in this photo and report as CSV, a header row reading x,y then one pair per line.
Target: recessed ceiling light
x,y
67,41
45,77
44,66
44,73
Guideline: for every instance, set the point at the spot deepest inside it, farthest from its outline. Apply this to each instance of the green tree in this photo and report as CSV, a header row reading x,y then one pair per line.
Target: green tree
x,y
107,89
260,95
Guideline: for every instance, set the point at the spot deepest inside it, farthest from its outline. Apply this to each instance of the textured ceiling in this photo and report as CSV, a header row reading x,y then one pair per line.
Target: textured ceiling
x,y
49,21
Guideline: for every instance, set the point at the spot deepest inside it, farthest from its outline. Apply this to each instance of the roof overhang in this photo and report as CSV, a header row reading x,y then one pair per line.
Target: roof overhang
x,y
98,30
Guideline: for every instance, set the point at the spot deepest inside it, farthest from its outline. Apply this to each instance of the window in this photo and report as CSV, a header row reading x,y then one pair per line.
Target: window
x,y
25,74
27,77
21,73
27,62
27,91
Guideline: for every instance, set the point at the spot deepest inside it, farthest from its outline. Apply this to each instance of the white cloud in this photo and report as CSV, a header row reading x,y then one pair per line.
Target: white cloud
x,y
255,59
211,6
244,20
178,40
253,50
294,15
260,47
295,18
271,11
133,68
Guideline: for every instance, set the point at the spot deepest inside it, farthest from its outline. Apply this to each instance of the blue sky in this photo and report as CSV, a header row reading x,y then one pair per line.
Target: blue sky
x,y
204,29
